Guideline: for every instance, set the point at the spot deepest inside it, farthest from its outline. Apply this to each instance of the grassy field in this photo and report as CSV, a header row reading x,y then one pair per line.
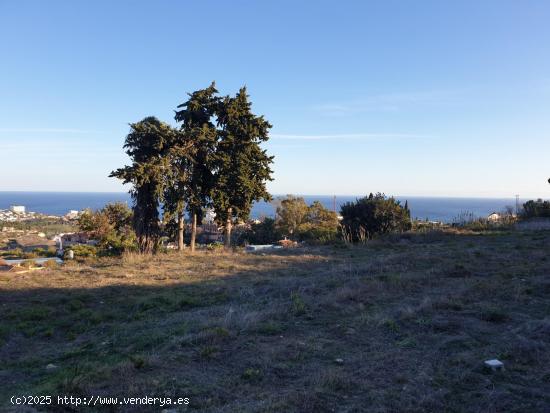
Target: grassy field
x,y
394,326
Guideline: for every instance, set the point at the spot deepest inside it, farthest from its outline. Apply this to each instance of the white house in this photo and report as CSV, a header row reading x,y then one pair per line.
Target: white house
x,y
72,214
209,216
495,216
17,209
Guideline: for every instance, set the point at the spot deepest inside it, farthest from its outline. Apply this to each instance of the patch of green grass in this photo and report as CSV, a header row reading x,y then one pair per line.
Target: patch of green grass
x,y
34,313
188,302
298,306
493,314
75,305
220,332
208,351
139,361
390,324
252,375
269,328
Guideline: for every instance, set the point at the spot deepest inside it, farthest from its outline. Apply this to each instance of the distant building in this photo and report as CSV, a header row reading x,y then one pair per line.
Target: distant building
x,y
17,209
72,214
65,240
209,216
208,233
495,216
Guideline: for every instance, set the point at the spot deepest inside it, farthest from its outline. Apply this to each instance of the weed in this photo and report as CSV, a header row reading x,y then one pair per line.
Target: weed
x,y
138,361
298,306
208,351
269,328
252,375
390,324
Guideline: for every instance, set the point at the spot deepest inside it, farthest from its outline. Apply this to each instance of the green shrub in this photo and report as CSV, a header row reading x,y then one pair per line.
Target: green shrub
x,y
215,246
536,209
265,232
373,215
82,251
298,305
300,222
252,375
111,226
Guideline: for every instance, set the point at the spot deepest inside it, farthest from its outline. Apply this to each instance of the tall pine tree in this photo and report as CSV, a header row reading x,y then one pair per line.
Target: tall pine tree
x,y
147,145
199,131
241,166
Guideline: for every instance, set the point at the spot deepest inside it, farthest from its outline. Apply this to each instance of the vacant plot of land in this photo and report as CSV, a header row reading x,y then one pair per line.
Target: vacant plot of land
x,y
401,326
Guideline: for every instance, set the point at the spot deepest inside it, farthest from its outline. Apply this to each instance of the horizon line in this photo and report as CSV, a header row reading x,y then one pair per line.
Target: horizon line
x,y
274,195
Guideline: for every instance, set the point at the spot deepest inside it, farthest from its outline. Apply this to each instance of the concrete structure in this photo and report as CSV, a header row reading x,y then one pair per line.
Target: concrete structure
x,y
260,247
18,209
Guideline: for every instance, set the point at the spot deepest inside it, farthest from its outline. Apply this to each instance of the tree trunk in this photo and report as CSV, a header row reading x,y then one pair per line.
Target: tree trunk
x,y
227,234
193,232
180,231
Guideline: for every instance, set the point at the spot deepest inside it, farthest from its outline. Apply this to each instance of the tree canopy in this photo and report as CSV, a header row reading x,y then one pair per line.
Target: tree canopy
x,y
214,159
241,166
373,215
147,145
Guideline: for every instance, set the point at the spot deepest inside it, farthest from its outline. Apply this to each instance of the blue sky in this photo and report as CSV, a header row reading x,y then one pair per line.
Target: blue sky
x,y
407,98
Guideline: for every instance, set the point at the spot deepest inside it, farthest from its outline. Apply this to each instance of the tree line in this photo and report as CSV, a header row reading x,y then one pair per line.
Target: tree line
x,y
213,159
359,221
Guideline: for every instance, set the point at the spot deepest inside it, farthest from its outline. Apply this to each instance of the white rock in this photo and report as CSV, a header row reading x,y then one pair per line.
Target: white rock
x,y
339,361
51,366
494,364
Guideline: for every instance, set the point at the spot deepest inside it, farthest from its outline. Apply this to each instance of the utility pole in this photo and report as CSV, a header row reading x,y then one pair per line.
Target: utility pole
x,y
334,204
517,205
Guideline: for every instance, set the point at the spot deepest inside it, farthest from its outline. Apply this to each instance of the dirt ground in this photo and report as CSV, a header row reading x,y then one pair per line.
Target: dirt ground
x,y
401,325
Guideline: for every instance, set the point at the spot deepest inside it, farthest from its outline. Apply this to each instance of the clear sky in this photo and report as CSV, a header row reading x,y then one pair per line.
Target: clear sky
x,y
404,97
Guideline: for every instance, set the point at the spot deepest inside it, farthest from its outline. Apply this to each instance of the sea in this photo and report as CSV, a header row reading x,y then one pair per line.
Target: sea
x,y
443,209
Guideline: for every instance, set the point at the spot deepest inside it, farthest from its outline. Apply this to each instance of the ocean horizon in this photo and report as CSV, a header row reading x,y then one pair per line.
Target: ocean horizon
x,y
443,209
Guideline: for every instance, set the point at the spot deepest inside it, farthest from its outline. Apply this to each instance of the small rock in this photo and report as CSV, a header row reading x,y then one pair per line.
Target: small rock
x,y
51,366
494,364
339,361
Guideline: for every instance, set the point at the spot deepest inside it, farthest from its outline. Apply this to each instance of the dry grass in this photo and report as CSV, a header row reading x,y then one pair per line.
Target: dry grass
x,y
397,325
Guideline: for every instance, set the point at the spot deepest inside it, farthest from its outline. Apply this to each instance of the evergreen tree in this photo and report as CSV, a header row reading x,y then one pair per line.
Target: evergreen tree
x,y
292,213
199,132
372,216
147,145
407,210
241,166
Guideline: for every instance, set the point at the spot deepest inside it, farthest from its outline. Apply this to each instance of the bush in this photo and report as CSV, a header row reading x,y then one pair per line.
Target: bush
x,y
536,209
300,222
373,215
111,226
43,252
81,251
264,232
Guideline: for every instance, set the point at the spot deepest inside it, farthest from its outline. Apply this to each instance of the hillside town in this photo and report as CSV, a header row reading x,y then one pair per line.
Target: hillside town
x,y
19,213
23,233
